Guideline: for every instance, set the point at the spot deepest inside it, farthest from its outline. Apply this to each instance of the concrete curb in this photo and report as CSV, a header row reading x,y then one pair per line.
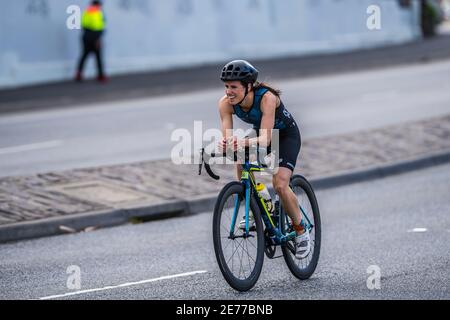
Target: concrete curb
x,y
145,212
381,171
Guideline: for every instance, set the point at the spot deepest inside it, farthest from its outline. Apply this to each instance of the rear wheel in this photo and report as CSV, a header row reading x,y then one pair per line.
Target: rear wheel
x,y
303,268
240,257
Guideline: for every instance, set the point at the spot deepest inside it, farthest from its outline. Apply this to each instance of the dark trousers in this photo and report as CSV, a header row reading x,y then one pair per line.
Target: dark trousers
x,y
91,44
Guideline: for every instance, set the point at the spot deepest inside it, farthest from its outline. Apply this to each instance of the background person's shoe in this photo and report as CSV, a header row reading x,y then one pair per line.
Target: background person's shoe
x,y
102,79
78,77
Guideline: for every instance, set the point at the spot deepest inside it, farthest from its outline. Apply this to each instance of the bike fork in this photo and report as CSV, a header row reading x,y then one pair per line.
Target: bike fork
x,y
236,211
247,205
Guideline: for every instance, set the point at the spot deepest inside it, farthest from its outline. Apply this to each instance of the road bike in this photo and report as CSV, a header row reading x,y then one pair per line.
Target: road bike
x,y
240,251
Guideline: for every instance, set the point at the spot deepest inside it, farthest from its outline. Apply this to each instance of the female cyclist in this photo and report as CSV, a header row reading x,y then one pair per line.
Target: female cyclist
x,y
260,105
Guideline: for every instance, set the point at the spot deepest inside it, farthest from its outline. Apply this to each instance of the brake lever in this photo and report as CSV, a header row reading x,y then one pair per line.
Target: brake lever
x,y
202,151
207,166
211,173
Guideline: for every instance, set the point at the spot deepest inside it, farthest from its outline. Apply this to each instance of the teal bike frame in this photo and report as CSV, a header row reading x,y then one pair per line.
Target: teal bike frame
x,y
277,236
273,227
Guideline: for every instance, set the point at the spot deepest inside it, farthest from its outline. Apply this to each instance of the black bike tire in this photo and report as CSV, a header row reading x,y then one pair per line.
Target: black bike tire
x,y
237,284
307,272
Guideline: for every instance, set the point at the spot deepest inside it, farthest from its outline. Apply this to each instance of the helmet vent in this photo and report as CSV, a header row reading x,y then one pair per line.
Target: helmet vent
x,y
239,70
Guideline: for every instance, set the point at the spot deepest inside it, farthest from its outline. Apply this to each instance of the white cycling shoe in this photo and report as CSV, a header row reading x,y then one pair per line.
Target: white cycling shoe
x,y
302,245
251,223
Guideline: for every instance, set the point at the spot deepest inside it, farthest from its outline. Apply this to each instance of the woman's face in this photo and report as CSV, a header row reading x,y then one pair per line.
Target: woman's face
x,y
235,91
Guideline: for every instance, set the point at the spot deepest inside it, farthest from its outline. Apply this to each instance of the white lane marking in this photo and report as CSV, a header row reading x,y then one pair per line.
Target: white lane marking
x,y
128,284
418,230
30,147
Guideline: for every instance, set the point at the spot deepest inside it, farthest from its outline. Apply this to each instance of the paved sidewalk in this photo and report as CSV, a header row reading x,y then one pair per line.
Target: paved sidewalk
x,y
56,202
150,84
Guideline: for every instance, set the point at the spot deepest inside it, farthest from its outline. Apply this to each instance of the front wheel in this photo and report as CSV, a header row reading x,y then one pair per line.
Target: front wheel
x,y
240,257
303,268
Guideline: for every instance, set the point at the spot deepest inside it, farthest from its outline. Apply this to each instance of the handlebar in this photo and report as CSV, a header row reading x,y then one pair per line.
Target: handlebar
x,y
205,157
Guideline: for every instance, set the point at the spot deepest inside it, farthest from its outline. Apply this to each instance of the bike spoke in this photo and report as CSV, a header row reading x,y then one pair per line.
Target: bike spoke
x,y
239,248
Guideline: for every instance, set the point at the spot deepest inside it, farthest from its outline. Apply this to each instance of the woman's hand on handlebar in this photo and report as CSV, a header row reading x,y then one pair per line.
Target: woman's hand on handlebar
x,y
230,142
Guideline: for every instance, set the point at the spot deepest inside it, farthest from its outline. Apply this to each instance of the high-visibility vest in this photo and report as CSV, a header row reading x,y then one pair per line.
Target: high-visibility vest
x,y
93,19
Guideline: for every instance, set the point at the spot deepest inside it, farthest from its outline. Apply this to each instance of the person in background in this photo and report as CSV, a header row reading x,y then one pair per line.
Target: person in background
x,y
93,24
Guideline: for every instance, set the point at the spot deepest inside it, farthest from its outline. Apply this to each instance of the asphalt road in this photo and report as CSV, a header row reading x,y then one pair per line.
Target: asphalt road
x,y
138,130
399,224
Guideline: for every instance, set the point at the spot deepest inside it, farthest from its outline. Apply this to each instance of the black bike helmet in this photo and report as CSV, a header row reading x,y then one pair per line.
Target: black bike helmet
x,y
239,70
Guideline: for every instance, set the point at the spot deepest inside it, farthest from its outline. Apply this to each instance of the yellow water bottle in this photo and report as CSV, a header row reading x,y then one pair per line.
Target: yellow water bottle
x,y
264,193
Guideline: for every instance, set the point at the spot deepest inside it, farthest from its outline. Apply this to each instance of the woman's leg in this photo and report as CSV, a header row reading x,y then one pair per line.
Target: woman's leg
x,y
288,198
288,149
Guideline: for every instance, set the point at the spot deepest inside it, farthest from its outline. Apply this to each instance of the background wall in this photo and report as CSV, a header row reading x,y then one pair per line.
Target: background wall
x,y
36,45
